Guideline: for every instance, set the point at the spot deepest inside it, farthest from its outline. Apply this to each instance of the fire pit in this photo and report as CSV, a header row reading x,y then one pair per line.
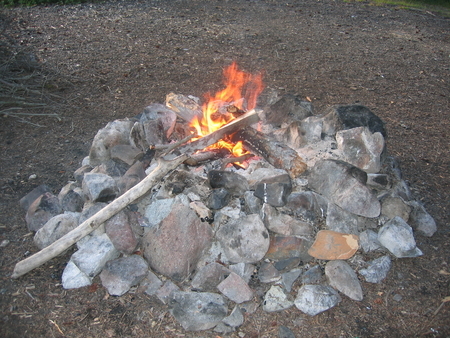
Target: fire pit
x,y
227,207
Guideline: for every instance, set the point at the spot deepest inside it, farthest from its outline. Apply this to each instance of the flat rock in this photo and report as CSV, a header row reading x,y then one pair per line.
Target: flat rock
x,y
345,185
283,224
235,288
314,299
342,277
150,284
209,276
283,247
268,273
93,255
331,245
245,239
340,220
197,311
287,109
276,300
74,278
119,275
377,269
171,249
397,236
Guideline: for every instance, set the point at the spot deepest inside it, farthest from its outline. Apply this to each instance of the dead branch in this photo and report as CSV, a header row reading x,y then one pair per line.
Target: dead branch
x,y
100,217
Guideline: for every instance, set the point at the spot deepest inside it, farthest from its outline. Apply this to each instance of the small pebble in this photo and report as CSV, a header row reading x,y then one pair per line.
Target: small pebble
x,y
4,243
397,297
32,177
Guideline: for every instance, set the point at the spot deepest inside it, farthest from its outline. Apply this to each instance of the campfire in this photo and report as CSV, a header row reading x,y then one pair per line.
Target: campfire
x,y
199,204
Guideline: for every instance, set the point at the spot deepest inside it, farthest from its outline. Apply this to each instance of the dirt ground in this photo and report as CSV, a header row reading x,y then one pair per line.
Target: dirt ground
x,y
114,58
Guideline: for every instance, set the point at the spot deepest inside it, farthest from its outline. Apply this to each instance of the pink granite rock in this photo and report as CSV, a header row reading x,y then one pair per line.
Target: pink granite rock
x,y
331,245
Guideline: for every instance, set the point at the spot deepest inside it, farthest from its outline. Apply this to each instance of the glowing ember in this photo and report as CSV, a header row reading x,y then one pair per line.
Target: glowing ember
x,y
240,95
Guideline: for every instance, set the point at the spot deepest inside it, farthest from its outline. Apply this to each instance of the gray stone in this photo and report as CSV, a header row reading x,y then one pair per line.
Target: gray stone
x,y
268,273
344,185
121,234
421,220
378,181
171,249
276,300
244,240
287,109
218,198
93,255
341,220
55,228
312,129
342,277
313,275
209,276
314,299
252,203
132,176
275,190
119,275
288,278
158,210
126,153
99,187
29,198
41,210
255,176
235,288
114,133
235,319
284,224
79,173
71,198
150,284
368,240
394,206
307,205
157,111
232,209
377,269
165,292
361,148
352,116
197,311
236,184
73,277
397,236
244,270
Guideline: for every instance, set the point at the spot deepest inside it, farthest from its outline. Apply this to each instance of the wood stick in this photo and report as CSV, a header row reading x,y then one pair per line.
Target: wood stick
x,y
241,122
100,217
278,154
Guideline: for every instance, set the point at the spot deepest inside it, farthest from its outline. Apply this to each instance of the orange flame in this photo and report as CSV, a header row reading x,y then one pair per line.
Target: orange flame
x,y
241,91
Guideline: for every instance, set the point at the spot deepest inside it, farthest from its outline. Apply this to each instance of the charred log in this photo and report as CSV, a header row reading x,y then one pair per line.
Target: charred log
x,y
278,154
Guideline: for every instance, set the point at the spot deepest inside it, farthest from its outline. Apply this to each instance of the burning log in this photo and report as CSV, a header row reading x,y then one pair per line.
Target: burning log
x,y
100,217
278,154
227,130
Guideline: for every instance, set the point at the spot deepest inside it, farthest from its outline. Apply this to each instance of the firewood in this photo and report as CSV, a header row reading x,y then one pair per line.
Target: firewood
x,y
227,130
278,154
205,156
100,217
185,107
